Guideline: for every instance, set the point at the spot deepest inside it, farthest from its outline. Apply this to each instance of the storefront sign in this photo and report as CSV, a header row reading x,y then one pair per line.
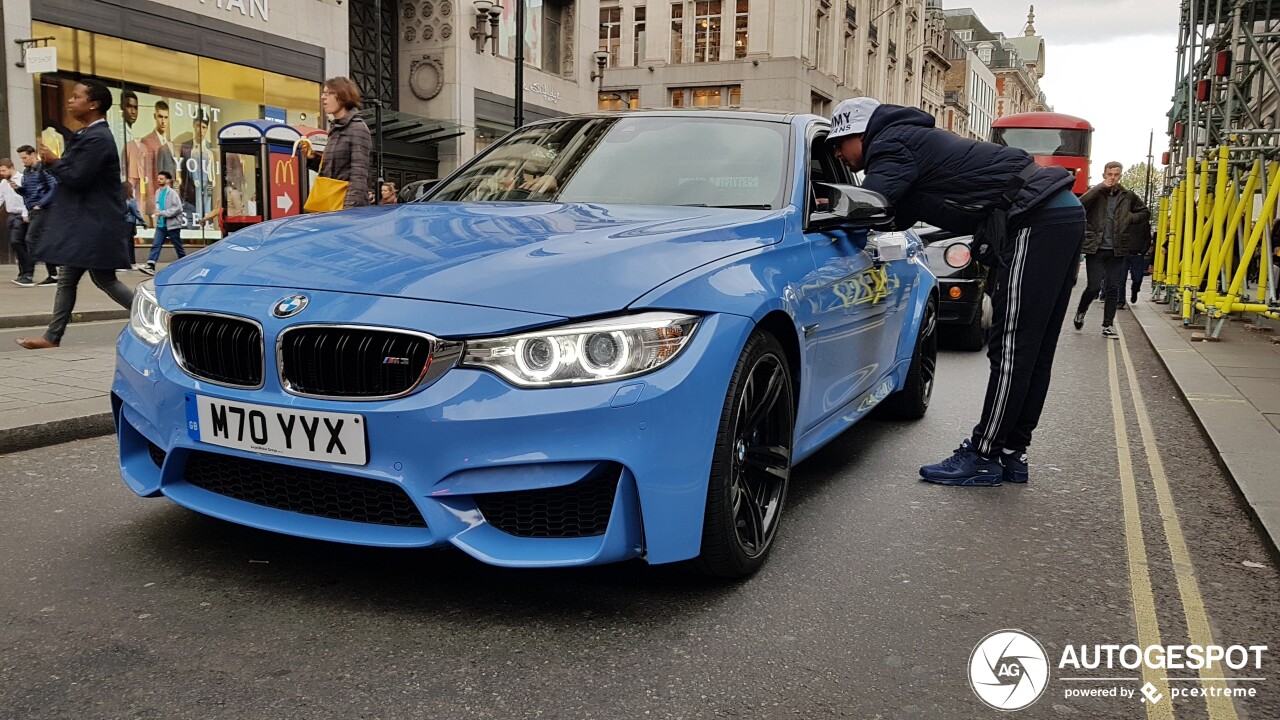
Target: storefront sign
x,y
552,96
246,8
285,196
42,60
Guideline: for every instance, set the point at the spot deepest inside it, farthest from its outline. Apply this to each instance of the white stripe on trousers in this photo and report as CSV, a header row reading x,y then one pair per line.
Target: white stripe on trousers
x,y
1005,370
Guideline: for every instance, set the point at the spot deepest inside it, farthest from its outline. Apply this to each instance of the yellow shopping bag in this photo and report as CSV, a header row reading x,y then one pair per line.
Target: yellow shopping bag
x,y
326,194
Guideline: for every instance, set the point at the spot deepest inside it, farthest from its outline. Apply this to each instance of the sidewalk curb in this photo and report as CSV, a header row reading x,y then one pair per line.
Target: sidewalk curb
x,y
53,432
1239,435
43,319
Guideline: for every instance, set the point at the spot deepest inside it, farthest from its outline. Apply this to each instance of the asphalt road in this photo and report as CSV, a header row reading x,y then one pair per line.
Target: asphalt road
x,y
870,606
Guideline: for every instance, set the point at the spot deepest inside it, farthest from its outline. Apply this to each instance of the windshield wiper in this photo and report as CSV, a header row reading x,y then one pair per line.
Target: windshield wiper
x,y
734,207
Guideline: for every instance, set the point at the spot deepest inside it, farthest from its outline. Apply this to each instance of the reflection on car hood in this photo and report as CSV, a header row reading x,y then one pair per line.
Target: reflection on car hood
x,y
557,259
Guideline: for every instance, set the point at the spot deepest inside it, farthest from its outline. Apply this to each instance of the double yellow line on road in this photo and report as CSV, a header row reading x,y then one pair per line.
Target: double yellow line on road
x,y
1220,708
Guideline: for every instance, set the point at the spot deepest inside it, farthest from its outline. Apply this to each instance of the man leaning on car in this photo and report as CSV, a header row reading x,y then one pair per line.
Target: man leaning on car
x,y
1026,223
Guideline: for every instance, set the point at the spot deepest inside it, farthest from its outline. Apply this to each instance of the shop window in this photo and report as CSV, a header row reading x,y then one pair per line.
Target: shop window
x,y
724,96
619,100
487,134
167,110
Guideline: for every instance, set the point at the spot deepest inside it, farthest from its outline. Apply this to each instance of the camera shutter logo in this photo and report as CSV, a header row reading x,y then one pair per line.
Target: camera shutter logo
x,y
290,306
1008,670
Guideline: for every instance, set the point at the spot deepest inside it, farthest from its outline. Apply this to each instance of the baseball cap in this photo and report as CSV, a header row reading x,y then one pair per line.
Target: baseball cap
x,y
851,117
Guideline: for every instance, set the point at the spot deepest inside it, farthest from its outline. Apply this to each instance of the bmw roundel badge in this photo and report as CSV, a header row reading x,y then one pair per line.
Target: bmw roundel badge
x,y
290,306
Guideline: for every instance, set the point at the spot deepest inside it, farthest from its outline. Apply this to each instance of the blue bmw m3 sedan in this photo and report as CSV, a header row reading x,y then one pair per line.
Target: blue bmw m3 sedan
x,y
606,337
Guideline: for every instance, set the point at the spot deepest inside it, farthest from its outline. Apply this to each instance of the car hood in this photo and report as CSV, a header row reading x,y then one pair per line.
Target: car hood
x,y
557,259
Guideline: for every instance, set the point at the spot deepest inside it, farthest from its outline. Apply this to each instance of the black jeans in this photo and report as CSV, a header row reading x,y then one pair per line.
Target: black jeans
x,y
1096,266
1136,268
65,301
18,241
1030,301
35,236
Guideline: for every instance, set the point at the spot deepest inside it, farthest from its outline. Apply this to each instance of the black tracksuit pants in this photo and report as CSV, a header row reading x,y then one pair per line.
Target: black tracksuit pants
x,y
1031,298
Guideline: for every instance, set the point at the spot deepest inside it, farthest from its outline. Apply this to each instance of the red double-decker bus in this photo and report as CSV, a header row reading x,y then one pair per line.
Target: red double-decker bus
x,y
1053,139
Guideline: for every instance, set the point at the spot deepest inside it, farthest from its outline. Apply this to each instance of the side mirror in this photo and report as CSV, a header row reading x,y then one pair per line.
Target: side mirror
x,y
848,207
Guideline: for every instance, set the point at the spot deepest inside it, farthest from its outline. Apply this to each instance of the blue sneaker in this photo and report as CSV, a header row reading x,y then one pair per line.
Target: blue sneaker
x,y
1015,467
964,467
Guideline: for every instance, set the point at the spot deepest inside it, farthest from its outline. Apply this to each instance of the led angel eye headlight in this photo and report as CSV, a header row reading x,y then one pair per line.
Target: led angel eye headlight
x,y
591,352
604,353
147,319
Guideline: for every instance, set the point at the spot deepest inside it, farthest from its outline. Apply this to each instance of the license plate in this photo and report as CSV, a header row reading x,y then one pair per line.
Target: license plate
x,y
303,434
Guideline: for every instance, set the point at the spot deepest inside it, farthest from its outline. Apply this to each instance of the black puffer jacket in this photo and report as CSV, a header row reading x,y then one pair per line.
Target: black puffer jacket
x,y
943,179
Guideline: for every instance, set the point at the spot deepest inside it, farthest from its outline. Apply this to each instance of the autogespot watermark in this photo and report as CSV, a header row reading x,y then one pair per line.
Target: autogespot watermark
x,y
1010,670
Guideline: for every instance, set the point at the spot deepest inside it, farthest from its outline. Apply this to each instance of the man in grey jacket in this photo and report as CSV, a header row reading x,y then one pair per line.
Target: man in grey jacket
x,y
1111,210
168,226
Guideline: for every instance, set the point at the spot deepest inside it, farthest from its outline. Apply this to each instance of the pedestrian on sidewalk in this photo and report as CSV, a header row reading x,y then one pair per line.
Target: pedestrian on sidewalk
x,y
1141,238
10,180
389,196
86,232
1027,225
37,191
347,152
168,208
1113,211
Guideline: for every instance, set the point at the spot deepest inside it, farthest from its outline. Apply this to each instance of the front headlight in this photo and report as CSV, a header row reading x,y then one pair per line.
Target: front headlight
x,y
147,319
599,351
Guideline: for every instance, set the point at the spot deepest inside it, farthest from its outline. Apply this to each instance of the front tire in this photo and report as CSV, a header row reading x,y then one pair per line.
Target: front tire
x,y
751,465
912,401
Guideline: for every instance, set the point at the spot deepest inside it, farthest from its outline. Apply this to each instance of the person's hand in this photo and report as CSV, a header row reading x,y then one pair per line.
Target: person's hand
x,y
305,149
541,185
46,155
13,183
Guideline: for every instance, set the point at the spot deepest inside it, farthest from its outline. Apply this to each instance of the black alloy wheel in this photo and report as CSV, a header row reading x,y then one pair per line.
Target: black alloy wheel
x,y
751,467
912,401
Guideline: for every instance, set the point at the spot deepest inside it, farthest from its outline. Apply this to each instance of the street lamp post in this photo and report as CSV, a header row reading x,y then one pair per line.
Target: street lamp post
x,y
377,96
486,11
519,118
602,58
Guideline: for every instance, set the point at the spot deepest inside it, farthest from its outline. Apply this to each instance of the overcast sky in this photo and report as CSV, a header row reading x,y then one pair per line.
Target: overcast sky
x,y
1111,62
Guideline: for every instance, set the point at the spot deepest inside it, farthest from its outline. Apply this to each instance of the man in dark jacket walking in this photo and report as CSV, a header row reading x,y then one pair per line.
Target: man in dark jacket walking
x,y
37,191
86,232
1113,212
966,186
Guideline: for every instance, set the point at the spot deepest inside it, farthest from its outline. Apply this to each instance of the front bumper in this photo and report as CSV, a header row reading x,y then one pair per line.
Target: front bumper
x,y
486,466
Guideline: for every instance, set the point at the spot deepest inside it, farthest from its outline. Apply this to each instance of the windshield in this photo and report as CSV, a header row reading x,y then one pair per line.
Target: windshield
x,y
644,160
1036,141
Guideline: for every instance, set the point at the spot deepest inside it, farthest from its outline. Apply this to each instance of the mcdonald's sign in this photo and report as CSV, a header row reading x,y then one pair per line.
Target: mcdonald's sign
x,y
286,171
284,193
